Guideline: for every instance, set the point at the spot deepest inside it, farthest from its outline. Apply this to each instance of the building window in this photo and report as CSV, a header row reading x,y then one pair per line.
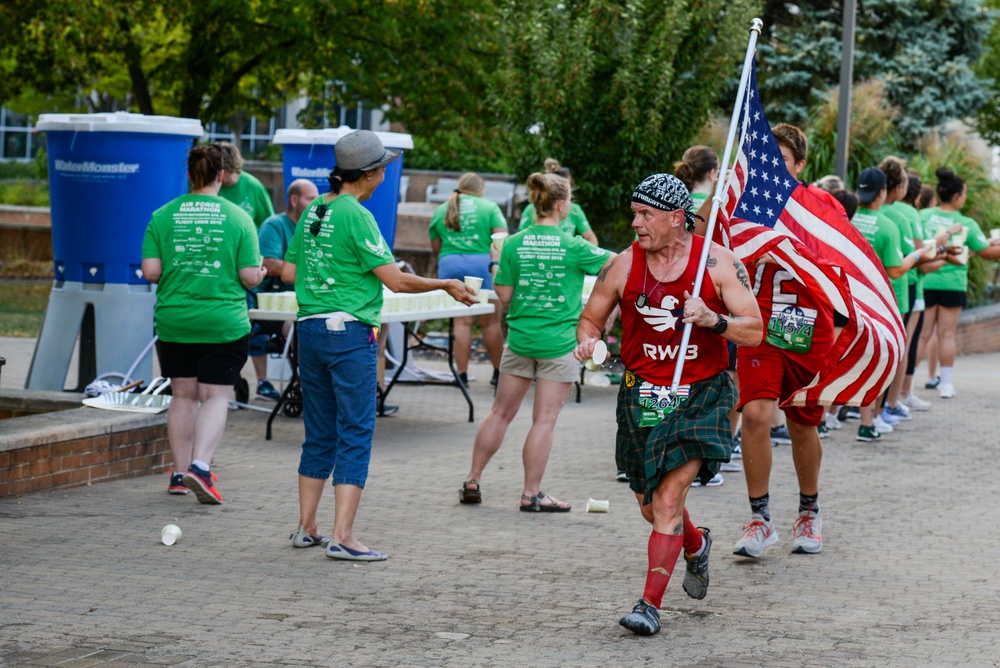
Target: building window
x,y
17,140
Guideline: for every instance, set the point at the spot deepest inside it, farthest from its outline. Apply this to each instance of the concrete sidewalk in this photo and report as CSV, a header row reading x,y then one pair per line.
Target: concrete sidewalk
x,y
906,576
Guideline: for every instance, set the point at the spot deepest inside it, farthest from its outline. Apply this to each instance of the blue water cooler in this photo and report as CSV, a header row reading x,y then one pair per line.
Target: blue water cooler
x,y
309,154
107,174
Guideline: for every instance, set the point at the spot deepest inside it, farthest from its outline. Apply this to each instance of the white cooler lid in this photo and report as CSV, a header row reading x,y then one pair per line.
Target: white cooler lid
x,y
121,121
333,135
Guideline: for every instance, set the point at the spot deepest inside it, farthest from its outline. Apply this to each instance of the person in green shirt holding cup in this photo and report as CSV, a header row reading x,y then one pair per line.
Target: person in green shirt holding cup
x,y
947,280
202,253
339,261
539,274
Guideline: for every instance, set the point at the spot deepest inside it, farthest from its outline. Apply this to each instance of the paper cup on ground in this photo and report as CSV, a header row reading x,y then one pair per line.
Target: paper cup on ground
x,y
170,534
598,356
598,506
474,282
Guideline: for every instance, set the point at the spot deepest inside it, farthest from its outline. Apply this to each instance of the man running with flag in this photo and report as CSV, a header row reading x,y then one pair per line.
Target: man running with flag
x,y
668,438
833,332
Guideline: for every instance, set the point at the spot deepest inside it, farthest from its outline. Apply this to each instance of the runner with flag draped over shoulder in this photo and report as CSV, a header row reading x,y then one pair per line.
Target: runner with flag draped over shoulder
x,y
766,211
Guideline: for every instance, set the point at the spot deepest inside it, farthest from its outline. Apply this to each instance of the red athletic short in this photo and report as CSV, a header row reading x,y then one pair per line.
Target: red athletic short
x,y
765,372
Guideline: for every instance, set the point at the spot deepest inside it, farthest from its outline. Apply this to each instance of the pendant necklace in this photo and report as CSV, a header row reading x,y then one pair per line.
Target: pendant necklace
x,y
643,298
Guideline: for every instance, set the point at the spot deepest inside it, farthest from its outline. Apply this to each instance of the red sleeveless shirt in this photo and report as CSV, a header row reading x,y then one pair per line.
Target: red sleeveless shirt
x,y
651,334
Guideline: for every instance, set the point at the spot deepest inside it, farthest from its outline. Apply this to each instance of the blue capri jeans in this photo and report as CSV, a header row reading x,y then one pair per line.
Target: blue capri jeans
x,y
338,371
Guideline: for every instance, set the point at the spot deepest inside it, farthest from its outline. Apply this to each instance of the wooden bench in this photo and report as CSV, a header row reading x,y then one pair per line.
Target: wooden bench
x,y
500,192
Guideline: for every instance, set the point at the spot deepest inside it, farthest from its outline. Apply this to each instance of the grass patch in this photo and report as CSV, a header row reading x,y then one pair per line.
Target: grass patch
x,y
22,303
25,193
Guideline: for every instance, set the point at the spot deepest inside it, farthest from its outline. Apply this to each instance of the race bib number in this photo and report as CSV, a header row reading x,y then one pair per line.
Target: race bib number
x,y
791,327
656,402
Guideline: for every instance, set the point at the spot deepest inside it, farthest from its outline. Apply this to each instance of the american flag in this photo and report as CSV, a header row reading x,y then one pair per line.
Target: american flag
x,y
765,210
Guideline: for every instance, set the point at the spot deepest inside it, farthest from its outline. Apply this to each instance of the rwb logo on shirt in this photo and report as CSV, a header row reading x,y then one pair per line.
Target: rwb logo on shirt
x,y
661,318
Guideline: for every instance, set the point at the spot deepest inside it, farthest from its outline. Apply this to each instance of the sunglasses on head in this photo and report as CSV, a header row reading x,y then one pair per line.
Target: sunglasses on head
x,y
317,224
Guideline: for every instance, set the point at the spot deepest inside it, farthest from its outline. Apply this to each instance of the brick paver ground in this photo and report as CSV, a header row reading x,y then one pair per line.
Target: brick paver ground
x,y
907,576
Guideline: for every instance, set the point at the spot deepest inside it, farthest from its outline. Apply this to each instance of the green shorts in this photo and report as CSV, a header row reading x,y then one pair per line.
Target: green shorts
x,y
698,429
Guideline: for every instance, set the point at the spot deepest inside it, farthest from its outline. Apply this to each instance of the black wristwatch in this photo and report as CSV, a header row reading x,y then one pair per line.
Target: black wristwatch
x,y
720,326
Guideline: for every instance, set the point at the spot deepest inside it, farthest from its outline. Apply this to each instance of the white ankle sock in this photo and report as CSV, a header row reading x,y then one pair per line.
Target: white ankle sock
x,y
200,464
946,374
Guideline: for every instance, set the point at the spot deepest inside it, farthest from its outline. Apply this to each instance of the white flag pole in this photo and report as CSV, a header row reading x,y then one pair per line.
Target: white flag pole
x,y
755,27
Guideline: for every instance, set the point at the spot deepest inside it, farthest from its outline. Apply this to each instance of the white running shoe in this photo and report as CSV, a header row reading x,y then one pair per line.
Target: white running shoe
x,y
832,422
915,403
946,391
881,426
714,482
731,466
758,534
807,533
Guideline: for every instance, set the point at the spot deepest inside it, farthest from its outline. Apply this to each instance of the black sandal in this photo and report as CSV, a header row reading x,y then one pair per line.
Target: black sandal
x,y
466,495
536,506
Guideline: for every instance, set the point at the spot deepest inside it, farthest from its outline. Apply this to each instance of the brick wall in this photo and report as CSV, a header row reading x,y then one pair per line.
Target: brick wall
x,y
79,447
979,330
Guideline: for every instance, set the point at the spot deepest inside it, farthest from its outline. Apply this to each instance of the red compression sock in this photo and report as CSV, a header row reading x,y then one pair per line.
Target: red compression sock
x,y
693,537
663,551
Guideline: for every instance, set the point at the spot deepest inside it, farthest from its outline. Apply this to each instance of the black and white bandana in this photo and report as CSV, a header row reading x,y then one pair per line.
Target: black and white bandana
x,y
666,192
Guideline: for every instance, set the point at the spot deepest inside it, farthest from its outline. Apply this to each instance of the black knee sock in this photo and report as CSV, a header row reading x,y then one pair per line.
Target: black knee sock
x,y
809,502
761,506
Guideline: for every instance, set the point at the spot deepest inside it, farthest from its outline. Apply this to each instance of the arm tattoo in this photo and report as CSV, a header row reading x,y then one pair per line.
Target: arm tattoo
x,y
604,272
712,262
741,275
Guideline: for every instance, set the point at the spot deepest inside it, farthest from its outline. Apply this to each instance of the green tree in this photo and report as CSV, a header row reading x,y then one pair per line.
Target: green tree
x,y
988,118
213,58
923,50
614,89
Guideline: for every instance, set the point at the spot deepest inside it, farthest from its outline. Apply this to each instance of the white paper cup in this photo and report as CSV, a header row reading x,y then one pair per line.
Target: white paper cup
x,y
930,247
474,282
995,233
498,239
170,534
597,357
959,238
598,506
963,257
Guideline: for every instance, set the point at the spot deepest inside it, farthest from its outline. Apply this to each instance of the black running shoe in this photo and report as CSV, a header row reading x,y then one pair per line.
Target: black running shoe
x,y
696,577
644,620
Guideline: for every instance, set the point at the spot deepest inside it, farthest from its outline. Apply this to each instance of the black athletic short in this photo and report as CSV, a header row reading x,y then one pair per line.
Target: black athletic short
x,y
945,298
210,363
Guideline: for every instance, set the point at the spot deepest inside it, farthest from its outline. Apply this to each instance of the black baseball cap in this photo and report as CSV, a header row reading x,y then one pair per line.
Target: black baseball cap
x,y
870,182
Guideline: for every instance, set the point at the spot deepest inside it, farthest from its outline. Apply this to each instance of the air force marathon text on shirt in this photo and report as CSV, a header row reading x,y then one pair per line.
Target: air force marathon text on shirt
x,y
198,234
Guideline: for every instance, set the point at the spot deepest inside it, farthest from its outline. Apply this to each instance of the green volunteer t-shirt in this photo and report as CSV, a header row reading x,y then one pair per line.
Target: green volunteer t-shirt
x,y
546,268
907,234
477,218
698,199
884,236
575,224
951,276
203,242
916,228
250,195
274,235
334,267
